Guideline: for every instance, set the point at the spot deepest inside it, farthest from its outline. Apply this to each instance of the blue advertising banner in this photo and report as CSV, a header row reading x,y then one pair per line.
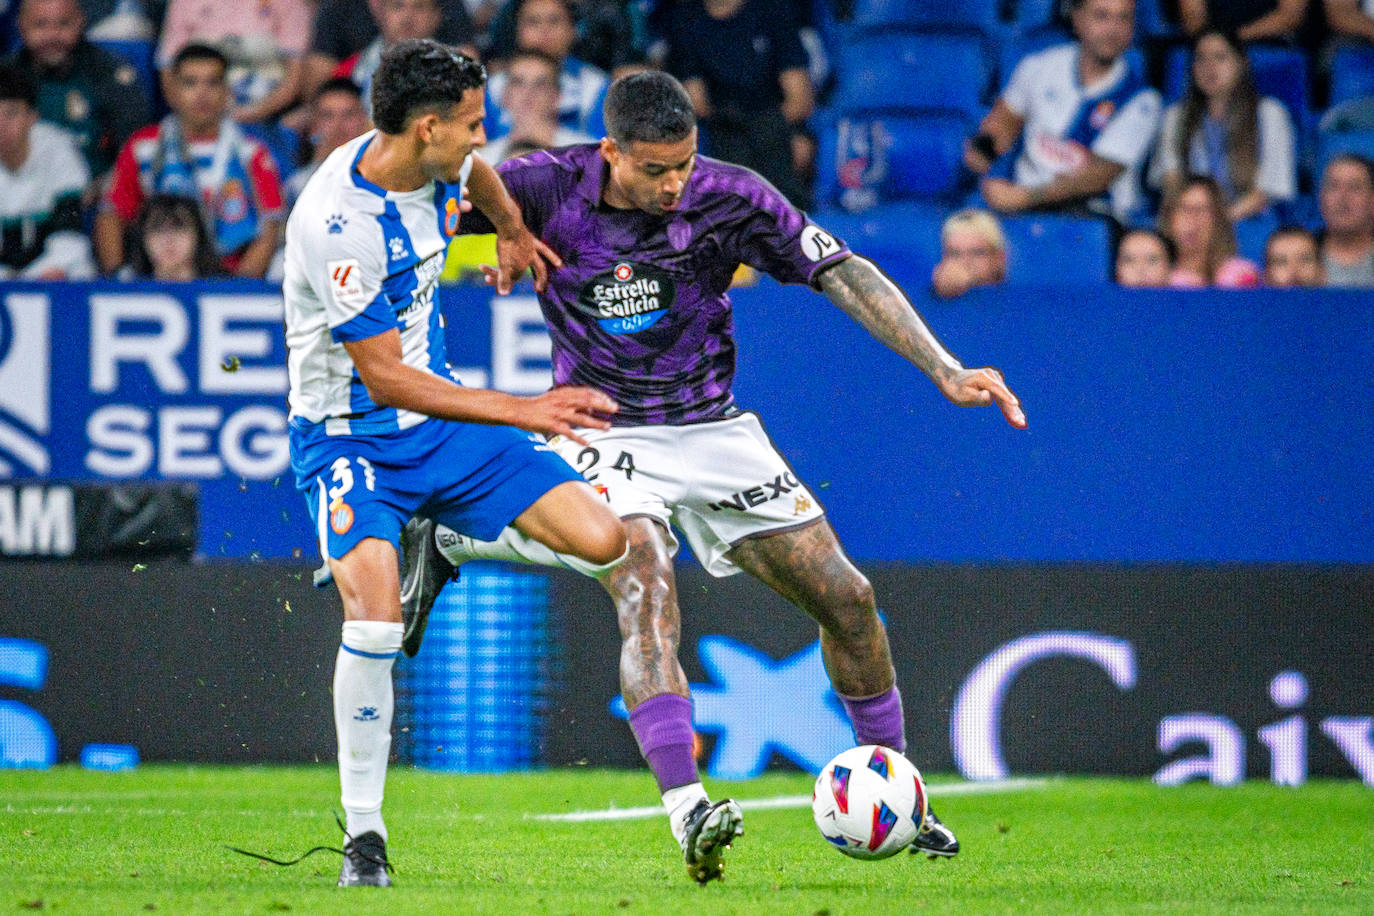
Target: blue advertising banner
x,y
1164,426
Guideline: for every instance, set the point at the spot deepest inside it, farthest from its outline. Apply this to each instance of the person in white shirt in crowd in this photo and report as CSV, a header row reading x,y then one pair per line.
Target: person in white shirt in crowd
x,y
1347,207
1088,117
529,98
42,178
973,252
1223,128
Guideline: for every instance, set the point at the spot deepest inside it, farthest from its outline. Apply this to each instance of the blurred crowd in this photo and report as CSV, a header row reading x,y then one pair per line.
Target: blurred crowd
x,y
144,139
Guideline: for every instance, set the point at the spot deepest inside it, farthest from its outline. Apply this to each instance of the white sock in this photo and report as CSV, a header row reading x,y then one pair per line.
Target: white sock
x,y
512,547
363,703
679,803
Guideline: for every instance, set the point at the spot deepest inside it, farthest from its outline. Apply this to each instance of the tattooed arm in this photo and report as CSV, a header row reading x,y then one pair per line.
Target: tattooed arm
x,y
866,294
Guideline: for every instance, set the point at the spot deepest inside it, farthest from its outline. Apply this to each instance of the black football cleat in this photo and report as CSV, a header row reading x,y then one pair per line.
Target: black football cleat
x,y
707,833
365,863
424,571
935,839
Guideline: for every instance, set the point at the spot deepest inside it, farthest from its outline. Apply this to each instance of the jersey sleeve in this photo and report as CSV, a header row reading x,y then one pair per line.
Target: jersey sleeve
x,y
347,271
778,239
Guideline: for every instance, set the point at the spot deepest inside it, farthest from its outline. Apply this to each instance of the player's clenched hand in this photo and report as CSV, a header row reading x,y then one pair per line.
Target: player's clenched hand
x,y
560,411
977,387
517,253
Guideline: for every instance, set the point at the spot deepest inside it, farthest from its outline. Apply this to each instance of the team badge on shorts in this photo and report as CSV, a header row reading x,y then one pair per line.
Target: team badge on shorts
x,y
340,516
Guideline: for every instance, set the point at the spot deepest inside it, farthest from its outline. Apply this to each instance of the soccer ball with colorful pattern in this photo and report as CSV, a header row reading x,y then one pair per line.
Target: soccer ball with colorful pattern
x,y
869,802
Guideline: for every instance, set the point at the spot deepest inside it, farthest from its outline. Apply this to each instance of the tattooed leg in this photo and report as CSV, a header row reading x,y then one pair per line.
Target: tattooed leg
x,y
644,590
808,567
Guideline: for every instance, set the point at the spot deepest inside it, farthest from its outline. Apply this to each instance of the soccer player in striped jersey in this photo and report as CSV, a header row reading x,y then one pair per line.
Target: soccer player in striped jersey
x,y
378,428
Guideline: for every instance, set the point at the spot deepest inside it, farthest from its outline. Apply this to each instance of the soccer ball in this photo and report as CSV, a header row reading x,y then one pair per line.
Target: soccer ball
x,y
869,802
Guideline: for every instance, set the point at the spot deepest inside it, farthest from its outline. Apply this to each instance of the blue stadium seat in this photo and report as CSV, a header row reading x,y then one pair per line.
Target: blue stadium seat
x,y
1352,74
882,156
1054,250
1027,15
1333,143
139,55
1150,21
1279,71
904,237
933,68
979,14
1251,234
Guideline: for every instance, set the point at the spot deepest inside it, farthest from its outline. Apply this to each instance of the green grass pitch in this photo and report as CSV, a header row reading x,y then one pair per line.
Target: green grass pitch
x,y
152,840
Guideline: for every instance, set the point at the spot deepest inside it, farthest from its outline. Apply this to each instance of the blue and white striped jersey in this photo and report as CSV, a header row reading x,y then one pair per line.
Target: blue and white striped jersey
x,y
361,260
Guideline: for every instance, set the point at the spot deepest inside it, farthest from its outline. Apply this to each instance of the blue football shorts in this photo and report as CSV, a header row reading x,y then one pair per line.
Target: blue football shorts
x,y
473,478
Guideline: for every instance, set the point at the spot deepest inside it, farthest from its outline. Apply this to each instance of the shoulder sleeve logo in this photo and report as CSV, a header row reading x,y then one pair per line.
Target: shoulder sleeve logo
x,y
346,282
817,244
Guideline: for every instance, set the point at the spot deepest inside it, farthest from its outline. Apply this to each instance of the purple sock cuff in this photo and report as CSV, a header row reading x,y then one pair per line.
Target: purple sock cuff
x,y
878,720
663,727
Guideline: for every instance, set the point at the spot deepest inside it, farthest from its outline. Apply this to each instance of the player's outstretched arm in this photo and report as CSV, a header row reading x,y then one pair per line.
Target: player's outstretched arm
x,y
517,250
391,383
867,295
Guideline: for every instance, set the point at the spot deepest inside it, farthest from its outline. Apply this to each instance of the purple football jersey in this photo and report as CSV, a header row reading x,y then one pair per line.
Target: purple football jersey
x,y
640,309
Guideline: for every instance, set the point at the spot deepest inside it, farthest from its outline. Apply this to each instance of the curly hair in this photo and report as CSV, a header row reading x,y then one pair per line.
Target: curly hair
x,y
650,107
419,76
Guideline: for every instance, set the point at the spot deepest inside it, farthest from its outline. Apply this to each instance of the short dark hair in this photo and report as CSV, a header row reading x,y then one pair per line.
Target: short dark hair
x,y
1170,249
198,51
1356,159
1286,231
649,107
17,83
162,210
339,84
419,76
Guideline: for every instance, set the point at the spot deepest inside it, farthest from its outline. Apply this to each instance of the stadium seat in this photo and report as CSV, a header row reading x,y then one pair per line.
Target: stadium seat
x,y
1333,143
1046,249
139,55
979,14
1151,22
1352,74
1252,233
1279,71
882,156
903,238
1028,15
931,68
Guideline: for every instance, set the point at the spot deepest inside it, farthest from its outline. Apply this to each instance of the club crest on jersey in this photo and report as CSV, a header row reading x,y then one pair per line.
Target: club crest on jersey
x,y
628,298
340,516
451,214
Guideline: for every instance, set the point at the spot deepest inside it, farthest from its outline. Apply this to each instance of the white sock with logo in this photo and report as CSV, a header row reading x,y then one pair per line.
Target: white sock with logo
x,y
363,703
679,802
512,547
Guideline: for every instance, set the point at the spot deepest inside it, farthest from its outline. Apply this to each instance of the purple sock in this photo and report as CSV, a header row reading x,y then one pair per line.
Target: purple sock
x,y
878,720
663,728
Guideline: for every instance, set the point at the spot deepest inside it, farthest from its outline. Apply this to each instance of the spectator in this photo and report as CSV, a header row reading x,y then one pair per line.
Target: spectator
x,y
610,33
1352,20
91,93
1347,207
342,28
264,42
1224,129
530,99
198,151
548,26
169,242
1194,218
1292,257
42,176
1144,259
397,20
123,20
743,64
973,252
1251,20
336,116
1088,117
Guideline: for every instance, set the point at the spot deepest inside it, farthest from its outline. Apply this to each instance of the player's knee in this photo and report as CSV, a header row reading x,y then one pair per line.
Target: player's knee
x,y
604,540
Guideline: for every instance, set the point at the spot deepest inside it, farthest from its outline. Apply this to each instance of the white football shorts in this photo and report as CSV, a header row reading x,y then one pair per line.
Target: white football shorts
x,y
718,482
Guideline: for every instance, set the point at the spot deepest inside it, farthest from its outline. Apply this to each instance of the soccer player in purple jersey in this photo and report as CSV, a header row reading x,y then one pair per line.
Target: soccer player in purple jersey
x,y
651,235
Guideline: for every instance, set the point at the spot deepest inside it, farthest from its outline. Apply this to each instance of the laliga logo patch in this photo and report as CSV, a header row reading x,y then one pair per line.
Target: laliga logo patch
x,y
628,298
24,385
340,516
